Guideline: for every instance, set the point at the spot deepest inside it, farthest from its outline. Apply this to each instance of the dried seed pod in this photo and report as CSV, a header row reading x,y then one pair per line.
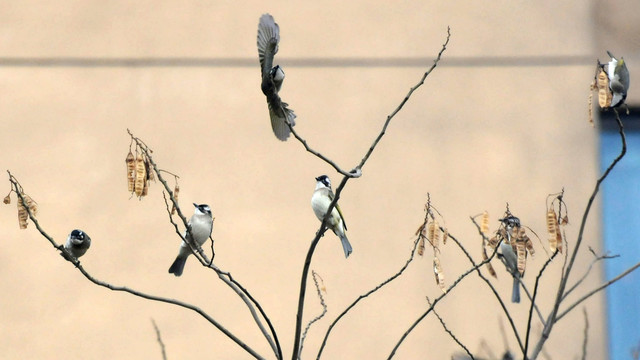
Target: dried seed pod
x,y
421,246
141,176
522,256
604,93
23,216
559,239
434,233
552,224
148,169
32,205
437,270
176,191
7,199
484,224
528,244
131,171
485,257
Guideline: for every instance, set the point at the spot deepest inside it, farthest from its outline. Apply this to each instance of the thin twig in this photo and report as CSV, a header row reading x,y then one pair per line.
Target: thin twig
x,y
444,326
437,299
533,302
596,290
586,273
322,303
404,101
586,334
159,339
365,295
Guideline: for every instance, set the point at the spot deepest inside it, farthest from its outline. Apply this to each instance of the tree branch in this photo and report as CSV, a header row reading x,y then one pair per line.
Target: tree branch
x,y
89,277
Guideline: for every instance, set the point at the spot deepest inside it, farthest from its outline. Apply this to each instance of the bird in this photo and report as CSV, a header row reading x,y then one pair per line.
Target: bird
x,y
201,223
272,77
77,244
509,257
320,200
618,80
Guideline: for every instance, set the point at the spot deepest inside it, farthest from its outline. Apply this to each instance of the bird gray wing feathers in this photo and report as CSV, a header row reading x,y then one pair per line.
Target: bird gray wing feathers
x,y
268,38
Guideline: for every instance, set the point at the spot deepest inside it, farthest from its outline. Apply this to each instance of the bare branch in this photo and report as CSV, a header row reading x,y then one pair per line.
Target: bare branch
x,y
565,277
444,326
593,262
363,296
80,268
448,291
203,258
596,290
159,339
404,101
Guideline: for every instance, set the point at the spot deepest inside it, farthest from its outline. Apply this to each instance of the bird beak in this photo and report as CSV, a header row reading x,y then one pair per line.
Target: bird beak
x,y
318,178
194,204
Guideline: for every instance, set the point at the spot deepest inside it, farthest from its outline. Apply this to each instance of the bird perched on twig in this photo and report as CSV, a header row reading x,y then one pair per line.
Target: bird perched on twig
x,y
201,226
320,201
508,255
77,244
618,80
272,77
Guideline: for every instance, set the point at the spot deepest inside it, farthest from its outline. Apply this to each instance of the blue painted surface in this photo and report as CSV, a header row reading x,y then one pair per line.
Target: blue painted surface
x,y
621,230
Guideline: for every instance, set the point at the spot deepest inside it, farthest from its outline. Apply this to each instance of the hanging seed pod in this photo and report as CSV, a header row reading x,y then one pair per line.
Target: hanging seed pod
x,y
433,232
559,239
552,223
7,199
484,224
23,216
437,270
148,169
490,268
176,191
421,246
145,190
522,256
604,94
32,205
590,104
528,244
141,176
131,171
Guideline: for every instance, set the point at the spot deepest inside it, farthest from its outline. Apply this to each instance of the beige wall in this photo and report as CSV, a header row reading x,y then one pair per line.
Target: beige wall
x,y
474,137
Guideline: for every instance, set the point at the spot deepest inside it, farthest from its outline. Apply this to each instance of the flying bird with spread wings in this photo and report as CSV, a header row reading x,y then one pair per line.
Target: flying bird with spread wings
x,y
272,77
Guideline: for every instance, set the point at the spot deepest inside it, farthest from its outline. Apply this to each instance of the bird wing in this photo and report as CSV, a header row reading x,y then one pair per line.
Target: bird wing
x,y
331,196
278,112
268,39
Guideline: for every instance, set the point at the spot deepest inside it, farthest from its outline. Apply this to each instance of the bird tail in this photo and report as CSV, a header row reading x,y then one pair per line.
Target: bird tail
x,y
515,293
178,266
346,246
